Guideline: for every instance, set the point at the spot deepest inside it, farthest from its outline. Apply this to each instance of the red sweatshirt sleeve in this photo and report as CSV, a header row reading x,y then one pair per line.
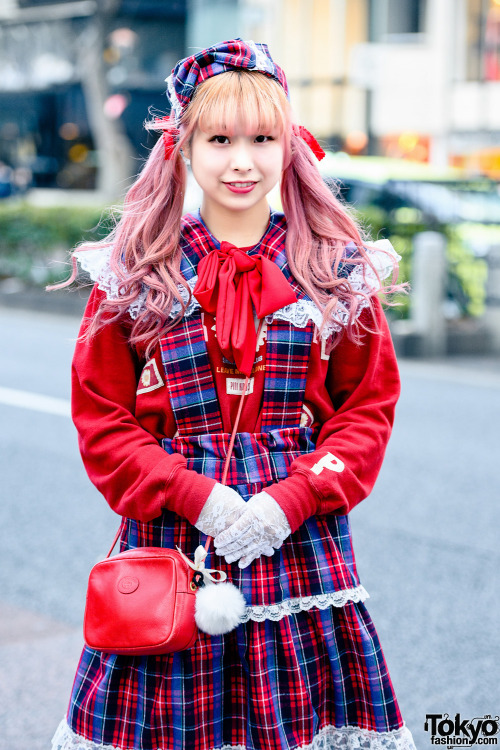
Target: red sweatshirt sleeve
x,y
363,383
124,461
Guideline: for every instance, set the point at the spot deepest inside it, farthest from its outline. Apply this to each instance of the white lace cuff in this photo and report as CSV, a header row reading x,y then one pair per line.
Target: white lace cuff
x,y
222,508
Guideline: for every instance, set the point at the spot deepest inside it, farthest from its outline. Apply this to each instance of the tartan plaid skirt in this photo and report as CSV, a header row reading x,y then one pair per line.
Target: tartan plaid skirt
x,y
314,679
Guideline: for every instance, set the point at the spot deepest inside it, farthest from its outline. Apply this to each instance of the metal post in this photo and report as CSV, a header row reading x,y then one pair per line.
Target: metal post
x,y
428,286
492,312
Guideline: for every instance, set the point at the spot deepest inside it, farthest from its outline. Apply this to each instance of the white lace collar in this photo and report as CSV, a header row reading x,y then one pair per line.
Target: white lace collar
x,y
363,280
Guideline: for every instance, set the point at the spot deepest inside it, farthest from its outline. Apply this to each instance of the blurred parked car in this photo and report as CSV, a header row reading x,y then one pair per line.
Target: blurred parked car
x,y
398,198
421,194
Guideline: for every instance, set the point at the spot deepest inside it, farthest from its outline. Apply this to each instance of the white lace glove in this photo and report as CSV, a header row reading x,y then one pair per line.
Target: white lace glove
x,y
260,530
222,508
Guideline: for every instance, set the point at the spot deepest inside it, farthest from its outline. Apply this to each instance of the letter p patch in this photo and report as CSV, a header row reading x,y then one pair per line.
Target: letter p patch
x,y
329,461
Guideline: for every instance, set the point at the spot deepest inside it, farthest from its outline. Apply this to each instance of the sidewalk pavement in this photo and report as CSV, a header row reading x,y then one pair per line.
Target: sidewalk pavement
x,y
15,295
476,370
37,696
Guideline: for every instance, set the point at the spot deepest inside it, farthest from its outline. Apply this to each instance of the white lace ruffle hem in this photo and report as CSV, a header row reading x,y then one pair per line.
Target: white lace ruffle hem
x,y
277,612
328,738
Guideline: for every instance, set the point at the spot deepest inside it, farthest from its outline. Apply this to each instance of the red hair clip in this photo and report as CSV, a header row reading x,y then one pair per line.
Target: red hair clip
x,y
311,141
170,140
170,135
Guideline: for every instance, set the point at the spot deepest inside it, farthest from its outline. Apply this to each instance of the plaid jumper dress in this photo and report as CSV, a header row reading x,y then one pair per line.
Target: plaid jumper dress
x,y
305,669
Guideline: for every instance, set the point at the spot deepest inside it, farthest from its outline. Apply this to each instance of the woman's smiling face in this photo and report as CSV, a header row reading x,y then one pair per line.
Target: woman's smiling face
x,y
236,171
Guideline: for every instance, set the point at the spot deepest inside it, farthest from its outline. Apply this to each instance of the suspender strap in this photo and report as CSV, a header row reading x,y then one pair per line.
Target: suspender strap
x,y
235,430
191,387
287,360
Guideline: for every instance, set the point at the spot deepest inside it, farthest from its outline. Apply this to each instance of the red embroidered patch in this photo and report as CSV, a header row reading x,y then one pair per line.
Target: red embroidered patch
x,y
150,378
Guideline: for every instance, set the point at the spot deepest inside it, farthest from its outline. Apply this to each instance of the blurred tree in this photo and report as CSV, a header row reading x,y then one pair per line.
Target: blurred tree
x,y
115,154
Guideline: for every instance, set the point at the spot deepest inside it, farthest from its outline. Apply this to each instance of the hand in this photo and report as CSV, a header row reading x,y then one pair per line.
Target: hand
x,y
260,530
222,508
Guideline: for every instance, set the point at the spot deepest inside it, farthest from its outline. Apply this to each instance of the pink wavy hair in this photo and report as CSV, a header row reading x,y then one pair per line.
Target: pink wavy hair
x,y
145,243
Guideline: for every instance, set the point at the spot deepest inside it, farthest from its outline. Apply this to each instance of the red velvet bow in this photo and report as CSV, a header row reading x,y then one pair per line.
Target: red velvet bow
x,y
311,141
229,281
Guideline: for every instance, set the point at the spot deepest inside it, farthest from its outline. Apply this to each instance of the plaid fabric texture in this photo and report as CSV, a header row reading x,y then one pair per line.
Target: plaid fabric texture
x,y
287,357
316,559
191,387
265,686
225,56
197,241
259,458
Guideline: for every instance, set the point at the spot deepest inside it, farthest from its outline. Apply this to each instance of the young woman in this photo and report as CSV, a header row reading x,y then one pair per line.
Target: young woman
x,y
167,340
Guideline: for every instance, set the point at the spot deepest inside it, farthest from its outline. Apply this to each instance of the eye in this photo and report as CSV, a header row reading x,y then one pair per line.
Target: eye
x,y
263,138
222,139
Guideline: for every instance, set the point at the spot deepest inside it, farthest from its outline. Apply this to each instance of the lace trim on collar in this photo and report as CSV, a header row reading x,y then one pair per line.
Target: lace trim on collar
x,y
97,264
191,306
363,279
298,314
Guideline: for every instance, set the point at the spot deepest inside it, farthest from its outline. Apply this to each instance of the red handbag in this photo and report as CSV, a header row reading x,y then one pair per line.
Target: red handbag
x,y
142,601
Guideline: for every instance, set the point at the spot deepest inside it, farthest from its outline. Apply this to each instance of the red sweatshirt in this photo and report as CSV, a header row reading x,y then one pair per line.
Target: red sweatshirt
x,y
121,410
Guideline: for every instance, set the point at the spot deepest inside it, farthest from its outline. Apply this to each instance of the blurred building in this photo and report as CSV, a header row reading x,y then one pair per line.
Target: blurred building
x,y
76,81
412,78
312,41
432,70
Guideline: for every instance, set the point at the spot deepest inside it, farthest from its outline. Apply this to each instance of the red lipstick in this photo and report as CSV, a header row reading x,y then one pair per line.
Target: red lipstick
x,y
240,186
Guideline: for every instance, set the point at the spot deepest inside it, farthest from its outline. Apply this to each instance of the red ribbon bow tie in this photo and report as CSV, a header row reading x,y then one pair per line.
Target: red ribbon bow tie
x,y
229,281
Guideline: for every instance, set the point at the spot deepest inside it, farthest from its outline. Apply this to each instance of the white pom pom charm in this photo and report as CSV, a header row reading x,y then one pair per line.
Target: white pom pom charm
x,y
219,608
220,605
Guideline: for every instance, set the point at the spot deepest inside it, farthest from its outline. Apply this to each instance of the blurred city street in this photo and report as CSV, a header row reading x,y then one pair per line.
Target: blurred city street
x,y
426,540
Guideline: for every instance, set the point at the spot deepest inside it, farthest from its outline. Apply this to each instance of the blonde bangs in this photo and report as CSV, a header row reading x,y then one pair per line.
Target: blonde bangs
x,y
253,97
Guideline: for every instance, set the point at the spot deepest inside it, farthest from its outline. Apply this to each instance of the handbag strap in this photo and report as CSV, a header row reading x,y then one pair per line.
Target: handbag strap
x,y
235,429
229,450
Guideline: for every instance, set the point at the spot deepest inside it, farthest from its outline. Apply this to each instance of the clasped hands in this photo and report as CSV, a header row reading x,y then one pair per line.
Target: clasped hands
x,y
243,531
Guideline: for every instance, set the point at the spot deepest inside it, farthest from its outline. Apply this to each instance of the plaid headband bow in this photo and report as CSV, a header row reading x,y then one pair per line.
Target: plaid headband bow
x,y
225,56
221,58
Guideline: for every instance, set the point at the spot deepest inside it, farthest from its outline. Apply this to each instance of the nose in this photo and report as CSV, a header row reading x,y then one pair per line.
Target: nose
x,y
241,156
